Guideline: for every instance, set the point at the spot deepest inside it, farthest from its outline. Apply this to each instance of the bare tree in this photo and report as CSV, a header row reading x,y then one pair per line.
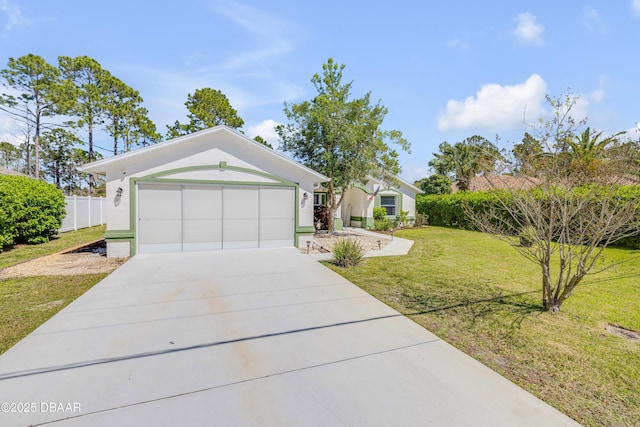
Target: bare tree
x,y
577,208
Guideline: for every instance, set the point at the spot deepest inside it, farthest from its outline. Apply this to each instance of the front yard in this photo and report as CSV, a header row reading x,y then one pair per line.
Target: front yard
x,y
468,288
27,302
480,295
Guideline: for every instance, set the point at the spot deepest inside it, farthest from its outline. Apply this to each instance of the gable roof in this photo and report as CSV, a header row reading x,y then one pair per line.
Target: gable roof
x,y
403,183
100,167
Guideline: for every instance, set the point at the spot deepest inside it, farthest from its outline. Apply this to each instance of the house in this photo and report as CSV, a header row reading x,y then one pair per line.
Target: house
x,y
356,209
213,189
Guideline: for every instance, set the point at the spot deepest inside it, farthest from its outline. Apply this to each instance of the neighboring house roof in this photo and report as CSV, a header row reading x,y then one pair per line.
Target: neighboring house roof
x,y
101,166
488,182
5,171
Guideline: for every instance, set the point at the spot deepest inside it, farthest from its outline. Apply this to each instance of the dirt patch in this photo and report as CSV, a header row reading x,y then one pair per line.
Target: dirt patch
x,y
65,263
324,241
623,332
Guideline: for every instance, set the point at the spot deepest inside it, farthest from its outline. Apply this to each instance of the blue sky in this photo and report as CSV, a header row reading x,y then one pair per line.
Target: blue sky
x,y
445,70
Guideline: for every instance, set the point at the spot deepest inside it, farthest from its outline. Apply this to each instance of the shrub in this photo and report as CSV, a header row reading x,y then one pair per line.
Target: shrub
x,y
382,224
403,218
321,216
436,184
379,213
449,210
31,211
347,252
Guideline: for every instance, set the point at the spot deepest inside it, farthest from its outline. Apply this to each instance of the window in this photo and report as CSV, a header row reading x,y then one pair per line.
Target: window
x,y
389,203
319,199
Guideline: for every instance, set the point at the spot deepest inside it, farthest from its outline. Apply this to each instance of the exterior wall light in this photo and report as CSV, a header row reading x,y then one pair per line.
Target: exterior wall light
x,y
119,192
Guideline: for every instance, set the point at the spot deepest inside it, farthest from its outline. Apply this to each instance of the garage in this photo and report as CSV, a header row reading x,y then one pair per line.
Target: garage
x,y
191,217
211,190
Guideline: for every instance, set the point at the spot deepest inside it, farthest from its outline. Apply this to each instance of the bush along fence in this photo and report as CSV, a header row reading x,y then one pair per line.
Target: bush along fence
x,y
448,210
31,211
83,212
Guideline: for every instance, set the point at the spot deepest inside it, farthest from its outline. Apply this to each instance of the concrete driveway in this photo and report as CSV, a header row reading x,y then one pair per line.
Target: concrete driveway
x,y
242,338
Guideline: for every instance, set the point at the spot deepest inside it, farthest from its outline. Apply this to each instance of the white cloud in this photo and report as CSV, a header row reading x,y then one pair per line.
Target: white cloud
x,y
528,30
635,7
457,43
496,107
15,18
592,20
266,129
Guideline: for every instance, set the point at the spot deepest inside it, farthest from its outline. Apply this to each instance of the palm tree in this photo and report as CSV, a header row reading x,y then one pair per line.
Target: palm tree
x,y
465,159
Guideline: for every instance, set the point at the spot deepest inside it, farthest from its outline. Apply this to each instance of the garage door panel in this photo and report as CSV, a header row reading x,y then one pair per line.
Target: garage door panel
x,y
160,218
159,202
202,218
240,210
276,217
276,203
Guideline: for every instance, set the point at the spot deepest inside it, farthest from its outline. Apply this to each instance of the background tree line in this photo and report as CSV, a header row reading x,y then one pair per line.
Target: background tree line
x,y
59,109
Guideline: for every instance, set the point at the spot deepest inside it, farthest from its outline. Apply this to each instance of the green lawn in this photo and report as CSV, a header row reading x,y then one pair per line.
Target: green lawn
x,y
483,297
27,302
20,253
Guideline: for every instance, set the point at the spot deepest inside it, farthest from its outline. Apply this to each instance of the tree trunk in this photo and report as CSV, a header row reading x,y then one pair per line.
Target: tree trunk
x,y
37,153
331,202
90,157
549,302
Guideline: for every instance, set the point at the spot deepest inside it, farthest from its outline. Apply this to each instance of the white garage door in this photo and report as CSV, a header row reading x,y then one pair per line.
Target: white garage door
x,y
175,217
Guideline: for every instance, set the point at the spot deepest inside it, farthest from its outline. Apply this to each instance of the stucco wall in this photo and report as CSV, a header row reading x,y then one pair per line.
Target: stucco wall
x,y
222,154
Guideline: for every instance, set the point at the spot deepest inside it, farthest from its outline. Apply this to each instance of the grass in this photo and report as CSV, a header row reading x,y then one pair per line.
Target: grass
x,y
483,297
20,253
27,302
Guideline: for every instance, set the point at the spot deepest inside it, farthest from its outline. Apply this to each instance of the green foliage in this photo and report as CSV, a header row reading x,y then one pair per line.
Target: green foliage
x,y
38,86
449,210
347,252
340,136
9,155
207,108
382,224
262,141
435,184
465,159
379,213
31,211
127,120
403,218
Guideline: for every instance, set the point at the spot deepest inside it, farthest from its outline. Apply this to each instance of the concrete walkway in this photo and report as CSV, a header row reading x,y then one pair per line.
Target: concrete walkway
x,y
395,246
243,338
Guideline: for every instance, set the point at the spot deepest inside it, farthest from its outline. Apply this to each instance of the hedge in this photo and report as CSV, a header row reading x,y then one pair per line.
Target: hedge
x,y
31,211
447,209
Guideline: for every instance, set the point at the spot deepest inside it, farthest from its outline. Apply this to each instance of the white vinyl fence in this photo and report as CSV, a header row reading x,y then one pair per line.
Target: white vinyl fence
x,y
83,212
